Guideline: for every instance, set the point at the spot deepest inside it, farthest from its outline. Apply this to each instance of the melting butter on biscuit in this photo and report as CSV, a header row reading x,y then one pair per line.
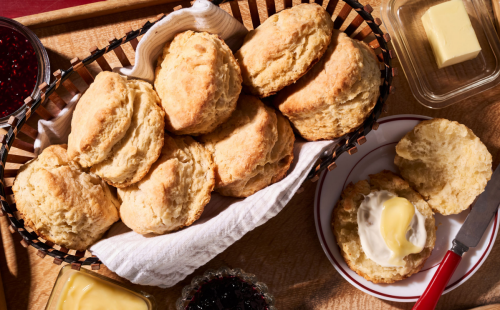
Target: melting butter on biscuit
x,y
397,215
390,228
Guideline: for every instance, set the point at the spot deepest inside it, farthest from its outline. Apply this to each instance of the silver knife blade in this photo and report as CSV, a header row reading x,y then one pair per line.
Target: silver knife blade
x,y
481,214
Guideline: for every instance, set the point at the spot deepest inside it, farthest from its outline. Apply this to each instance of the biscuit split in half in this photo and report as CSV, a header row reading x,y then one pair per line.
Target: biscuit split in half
x,y
175,191
62,202
337,94
283,48
446,163
251,150
117,129
198,81
345,228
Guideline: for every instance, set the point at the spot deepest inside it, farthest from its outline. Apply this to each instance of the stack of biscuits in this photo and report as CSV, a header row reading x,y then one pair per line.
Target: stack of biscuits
x,y
151,155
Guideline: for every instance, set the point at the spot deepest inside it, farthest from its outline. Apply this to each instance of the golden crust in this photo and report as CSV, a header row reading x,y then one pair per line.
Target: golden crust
x,y
61,202
175,191
345,228
284,48
446,163
101,119
136,152
117,128
252,150
198,81
337,94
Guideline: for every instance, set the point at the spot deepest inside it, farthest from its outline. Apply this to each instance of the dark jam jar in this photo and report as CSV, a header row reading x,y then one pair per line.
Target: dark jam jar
x,y
225,289
24,65
18,70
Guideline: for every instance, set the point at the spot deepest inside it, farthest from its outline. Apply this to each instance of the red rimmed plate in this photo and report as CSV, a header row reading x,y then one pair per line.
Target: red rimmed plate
x,y
374,156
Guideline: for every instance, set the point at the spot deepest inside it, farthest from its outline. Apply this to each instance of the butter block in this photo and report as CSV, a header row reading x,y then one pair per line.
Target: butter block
x,y
450,33
86,292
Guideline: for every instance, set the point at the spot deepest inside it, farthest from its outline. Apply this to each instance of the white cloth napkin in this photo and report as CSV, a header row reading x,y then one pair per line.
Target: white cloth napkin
x,y
56,130
167,259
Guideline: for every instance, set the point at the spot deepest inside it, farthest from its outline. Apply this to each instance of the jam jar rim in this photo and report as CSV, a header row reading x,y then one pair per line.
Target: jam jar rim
x,y
210,274
42,60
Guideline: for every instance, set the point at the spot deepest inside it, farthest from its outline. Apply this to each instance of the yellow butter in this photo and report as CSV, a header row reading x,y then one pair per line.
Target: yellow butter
x,y
83,292
397,215
450,33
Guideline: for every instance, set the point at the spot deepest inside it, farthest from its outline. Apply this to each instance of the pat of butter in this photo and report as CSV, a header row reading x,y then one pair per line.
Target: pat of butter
x,y
450,33
397,215
85,292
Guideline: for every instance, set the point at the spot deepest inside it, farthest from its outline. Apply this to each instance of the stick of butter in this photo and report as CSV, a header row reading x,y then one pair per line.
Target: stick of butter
x,y
450,33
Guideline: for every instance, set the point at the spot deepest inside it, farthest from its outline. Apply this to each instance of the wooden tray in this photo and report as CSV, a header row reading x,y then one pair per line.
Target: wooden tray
x,y
284,252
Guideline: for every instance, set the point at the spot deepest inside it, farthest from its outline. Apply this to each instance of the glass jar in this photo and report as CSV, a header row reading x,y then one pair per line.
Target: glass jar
x,y
433,87
42,60
66,272
189,291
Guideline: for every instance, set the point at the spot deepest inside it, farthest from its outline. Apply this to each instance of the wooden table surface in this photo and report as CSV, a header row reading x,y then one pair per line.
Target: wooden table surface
x,y
285,253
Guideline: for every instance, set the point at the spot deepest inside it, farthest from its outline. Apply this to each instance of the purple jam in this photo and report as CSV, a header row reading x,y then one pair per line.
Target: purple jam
x,y
228,293
18,70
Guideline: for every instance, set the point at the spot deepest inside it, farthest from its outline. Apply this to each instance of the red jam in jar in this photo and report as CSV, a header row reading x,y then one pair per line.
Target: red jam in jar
x,y
18,70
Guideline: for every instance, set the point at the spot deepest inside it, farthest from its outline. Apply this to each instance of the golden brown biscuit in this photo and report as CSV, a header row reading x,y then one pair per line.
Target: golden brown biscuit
x,y
198,81
446,163
117,128
345,228
337,94
252,150
283,48
63,203
175,191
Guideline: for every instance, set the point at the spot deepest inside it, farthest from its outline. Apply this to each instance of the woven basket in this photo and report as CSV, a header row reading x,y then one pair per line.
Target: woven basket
x,y
370,33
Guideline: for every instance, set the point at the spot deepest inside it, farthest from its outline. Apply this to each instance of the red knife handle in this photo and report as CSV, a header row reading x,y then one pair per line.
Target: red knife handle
x,y
430,297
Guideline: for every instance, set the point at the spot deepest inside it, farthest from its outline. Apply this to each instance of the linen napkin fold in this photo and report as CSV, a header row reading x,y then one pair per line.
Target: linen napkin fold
x,y
167,259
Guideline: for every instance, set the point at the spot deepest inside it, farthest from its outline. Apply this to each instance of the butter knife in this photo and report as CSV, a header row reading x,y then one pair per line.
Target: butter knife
x,y
468,236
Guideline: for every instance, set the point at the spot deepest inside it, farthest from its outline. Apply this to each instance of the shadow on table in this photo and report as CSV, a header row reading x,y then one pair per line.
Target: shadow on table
x,y
15,268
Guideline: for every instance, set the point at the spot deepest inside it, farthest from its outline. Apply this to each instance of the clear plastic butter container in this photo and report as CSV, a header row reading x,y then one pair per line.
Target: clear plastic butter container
x,y
65,276
433,87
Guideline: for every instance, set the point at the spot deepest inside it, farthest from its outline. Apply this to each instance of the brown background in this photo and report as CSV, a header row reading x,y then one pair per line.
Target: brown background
x,y
285,252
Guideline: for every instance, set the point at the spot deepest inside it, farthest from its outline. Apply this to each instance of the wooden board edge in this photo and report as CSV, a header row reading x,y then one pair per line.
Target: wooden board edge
x,y
86,11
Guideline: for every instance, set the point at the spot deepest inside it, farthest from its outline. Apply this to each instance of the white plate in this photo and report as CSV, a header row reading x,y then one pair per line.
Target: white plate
x,y
372,157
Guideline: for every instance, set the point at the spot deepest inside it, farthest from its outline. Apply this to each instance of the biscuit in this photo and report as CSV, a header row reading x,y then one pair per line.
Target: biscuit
x,y
345,228
63,203
283,48
117,129
198,81
252,150
446,163
337,94
175,191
